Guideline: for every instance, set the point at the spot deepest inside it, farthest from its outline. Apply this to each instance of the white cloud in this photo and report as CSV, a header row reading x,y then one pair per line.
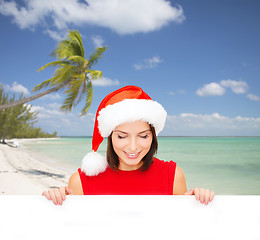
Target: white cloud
x,y
53,105
102,82
218,89
174,93
52,96
56,35
239,87
98,41
190,124
123,17
51,118
47,113
253,97
17,88
211,89
148,63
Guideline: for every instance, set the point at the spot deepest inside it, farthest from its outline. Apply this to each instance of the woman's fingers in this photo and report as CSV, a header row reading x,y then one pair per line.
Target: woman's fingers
x,y
201,194
68,191
57,195
197,193
53,197
212,195
207,197
190,192
62,193
46,194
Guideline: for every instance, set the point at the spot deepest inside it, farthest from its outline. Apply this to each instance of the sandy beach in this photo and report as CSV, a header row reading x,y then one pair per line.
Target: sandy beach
x,y
23,172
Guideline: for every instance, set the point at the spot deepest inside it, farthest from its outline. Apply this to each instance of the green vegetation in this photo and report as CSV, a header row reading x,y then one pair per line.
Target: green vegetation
x,y
27,131
74,74
18,121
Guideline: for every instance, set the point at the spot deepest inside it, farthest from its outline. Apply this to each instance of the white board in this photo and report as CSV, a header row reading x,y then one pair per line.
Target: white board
x,y
129,217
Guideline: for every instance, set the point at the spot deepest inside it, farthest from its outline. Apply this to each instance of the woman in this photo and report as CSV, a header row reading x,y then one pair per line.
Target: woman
x,y
131,120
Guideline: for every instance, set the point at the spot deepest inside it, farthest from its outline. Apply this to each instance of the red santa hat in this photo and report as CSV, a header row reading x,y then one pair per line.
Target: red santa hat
x,y
127,104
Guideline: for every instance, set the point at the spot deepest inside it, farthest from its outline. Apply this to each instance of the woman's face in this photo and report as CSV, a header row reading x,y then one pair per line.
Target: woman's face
x,y
131,142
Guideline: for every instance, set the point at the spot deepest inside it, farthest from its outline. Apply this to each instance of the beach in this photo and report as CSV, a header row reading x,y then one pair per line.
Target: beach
x,y
22,172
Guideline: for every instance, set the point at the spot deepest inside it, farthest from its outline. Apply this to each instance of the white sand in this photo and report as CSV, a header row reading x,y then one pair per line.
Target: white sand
x,y
21,172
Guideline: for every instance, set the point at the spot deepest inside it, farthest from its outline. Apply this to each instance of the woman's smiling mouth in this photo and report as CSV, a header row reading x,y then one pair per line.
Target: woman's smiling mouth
x,y
132,155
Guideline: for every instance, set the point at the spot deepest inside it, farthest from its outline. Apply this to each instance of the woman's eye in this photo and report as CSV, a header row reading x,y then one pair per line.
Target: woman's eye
x,y
144,136
121,137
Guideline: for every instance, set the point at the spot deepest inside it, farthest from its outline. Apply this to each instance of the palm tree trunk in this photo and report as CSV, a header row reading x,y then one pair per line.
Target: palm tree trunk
x,y
38,95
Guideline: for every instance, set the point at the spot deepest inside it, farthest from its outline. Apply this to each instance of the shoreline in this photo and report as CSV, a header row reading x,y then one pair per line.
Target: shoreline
x,y
27,173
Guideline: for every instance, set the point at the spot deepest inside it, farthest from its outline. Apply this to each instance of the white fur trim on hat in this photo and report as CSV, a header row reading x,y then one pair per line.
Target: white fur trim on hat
x,y
130,110
93,164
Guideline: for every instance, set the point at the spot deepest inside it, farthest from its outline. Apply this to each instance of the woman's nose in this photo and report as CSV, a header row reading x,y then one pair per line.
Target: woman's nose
x,y
132,145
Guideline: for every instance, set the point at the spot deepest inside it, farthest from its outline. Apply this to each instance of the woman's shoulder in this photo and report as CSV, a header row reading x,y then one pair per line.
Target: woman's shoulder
x,y
75,184
75,177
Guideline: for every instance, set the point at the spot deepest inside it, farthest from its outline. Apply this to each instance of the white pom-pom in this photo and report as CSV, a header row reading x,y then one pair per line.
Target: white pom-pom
x,y
93,164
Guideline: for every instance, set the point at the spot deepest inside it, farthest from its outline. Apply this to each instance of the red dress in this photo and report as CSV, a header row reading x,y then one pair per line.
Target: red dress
x,y
158,179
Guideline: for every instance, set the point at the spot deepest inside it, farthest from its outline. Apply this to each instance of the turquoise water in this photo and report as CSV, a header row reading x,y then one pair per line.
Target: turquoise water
x,y
228,165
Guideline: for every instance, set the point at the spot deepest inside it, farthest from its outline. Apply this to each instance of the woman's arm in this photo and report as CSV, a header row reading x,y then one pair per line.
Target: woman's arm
x,y
58,195
179,188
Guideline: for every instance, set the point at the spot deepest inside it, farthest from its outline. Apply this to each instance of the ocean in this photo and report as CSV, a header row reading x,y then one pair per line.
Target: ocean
x,y
227,165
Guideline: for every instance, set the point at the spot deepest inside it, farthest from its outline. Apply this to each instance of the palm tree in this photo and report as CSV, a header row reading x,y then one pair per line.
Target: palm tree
x,y
74,74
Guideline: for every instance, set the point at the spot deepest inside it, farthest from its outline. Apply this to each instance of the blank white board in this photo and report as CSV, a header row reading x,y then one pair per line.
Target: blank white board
x,y
129,217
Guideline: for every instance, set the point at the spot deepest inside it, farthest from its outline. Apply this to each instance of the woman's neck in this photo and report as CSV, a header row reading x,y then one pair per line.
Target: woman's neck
x,y
125,167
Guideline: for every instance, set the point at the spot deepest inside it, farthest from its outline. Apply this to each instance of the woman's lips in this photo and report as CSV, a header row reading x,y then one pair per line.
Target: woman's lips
x,y
132,155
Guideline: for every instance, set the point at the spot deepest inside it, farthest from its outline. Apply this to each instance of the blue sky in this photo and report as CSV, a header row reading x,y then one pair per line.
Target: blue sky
x,y
199,59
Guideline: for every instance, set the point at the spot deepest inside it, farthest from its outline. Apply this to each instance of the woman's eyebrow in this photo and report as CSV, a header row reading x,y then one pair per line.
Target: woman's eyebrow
x,y
127,133
120,131
148,130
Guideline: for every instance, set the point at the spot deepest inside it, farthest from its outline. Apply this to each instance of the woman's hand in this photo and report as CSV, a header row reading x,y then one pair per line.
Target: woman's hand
x,y
201,194
57,195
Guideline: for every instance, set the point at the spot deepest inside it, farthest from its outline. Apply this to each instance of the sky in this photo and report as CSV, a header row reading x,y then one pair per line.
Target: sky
x,y
198,58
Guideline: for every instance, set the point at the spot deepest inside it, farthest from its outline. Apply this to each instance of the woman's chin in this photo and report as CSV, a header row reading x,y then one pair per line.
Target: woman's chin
x,y
130,164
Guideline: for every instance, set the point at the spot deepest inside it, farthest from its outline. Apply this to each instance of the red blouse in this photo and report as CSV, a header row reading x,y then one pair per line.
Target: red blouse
x,y
157,180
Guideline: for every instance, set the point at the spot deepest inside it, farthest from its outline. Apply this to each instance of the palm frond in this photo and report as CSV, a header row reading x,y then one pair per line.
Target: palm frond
x,y
42,85
77,43
72,93
82,91
79,76
77,59
63,74
71,46
63,50
54,64
94,74
89,97
95,56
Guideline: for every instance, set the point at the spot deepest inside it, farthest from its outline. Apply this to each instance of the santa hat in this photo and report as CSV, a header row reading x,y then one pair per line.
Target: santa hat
x,y
127,104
